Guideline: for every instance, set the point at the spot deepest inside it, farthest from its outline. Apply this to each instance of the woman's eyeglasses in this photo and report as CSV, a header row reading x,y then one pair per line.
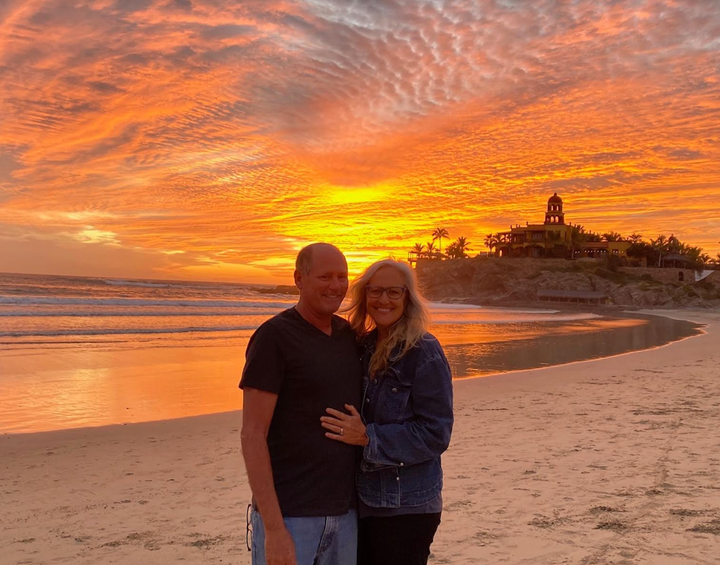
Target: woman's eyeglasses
x,y
393,292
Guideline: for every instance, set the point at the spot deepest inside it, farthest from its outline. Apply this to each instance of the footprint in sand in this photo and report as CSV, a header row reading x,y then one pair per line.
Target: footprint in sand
x,y
603,509
712,527
614,525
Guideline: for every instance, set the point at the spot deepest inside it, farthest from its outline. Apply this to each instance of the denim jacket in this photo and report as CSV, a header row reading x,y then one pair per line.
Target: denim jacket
x,y
412,427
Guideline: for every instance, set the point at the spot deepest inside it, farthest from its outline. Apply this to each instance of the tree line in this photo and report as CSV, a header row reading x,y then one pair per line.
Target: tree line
x,y
655,249
578,236
652,251
458,249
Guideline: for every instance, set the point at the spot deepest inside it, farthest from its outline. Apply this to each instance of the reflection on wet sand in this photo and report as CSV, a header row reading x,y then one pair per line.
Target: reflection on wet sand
x,y
56,386
482,350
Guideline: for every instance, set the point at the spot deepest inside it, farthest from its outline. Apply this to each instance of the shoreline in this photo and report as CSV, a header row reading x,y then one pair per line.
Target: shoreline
x,y
496,374
617,462
564,306
701,332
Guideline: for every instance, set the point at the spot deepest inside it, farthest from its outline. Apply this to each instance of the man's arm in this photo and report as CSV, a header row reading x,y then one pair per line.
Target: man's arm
x,y
258,409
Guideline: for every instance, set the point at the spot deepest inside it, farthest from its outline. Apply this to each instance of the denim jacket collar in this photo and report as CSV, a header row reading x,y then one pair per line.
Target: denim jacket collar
x,y
370,342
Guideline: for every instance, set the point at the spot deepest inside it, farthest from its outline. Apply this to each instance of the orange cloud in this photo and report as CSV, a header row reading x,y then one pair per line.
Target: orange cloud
x,y
194,138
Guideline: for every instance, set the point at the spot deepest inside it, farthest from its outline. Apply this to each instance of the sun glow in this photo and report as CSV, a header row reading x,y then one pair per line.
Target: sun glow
x,y
213,140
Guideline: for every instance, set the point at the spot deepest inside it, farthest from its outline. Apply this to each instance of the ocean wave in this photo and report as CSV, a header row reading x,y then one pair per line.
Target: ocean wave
x,y
141,284
124,331
521,320
205,286
247,327
434,306
74,301
128,313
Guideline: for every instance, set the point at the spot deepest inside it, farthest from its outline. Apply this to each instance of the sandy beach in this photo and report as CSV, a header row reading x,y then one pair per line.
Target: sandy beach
x,y
614,460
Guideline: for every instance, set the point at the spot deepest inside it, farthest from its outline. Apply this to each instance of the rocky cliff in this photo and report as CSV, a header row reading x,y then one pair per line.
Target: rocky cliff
x,y
500,280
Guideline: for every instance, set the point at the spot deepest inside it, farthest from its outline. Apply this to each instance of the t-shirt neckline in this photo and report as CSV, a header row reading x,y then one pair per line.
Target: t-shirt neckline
x,y
333,323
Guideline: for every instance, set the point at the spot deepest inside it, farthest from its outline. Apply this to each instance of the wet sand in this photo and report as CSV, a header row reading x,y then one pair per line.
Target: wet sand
x,y
614,460
99,384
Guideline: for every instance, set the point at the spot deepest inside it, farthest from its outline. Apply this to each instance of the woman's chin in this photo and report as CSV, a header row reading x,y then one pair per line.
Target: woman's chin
x,y
384,324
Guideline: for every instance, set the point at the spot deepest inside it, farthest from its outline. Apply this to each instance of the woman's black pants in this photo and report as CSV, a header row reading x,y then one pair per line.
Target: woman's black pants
x,y
396,540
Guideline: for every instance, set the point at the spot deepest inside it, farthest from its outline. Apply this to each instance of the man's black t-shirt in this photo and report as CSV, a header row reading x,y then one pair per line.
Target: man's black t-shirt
x,y
309,371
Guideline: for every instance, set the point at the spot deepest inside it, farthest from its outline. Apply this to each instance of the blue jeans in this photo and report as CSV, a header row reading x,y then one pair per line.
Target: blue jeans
x,y
324,540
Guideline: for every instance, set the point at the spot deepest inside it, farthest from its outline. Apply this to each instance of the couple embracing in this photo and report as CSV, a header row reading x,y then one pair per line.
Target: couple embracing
x,y
344,422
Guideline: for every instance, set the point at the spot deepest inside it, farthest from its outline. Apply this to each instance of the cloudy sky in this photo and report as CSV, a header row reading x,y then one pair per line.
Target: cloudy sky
x,y
211,139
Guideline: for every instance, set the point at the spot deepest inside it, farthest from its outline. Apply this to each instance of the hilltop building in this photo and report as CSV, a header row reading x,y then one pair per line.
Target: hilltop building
x,y
554,238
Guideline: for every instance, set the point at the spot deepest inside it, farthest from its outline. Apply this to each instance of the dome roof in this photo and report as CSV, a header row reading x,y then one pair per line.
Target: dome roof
x,y
555,198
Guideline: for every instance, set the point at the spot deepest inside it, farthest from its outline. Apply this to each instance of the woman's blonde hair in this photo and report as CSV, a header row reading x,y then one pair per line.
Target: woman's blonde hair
x,y
407,331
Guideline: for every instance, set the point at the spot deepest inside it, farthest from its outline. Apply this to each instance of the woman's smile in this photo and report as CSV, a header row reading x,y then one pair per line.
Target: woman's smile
x,y
386,311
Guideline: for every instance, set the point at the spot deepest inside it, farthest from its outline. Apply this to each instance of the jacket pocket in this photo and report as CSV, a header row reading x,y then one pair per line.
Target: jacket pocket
x,y
393,400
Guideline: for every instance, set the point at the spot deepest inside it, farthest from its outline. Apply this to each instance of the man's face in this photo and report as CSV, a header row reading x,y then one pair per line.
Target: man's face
x,y
324,287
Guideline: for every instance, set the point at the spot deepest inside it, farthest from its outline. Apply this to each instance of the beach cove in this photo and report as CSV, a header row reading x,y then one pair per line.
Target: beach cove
x,y
613,460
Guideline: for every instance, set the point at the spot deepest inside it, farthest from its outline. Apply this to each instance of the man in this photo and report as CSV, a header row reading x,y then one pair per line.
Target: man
x,y
298,363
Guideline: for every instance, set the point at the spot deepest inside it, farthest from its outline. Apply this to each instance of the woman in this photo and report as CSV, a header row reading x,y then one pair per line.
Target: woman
x,y
406,418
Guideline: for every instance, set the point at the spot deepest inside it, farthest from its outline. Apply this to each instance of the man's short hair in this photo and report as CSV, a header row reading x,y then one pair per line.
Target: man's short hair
x,y
304,260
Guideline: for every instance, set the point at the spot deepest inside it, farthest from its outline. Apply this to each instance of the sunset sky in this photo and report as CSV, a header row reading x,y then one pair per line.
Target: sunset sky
x,y
211,139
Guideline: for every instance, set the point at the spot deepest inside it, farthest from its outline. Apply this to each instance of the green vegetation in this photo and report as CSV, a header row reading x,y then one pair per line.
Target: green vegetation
x,y
438,234
492,241
458,249
658,252
663,246
612,236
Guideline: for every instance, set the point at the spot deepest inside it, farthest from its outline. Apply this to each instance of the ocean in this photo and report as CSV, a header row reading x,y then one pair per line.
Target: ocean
x,y
82,351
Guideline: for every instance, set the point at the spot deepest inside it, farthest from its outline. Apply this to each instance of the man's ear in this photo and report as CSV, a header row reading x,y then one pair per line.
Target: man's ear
x,y
297,275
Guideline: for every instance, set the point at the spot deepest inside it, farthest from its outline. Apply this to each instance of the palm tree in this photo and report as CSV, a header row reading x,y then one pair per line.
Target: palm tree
x,y
453,251
641,249
635,238
491,241
430,249
612,236
592,236
660,245
463,245
659,242
674,244
439,233
577,235
416,252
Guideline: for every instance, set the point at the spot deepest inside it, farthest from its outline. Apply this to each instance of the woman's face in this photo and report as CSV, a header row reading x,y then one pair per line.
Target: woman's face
x,y
385,311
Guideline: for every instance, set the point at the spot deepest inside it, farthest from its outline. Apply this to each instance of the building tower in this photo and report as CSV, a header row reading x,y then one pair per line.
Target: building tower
x,y
555,214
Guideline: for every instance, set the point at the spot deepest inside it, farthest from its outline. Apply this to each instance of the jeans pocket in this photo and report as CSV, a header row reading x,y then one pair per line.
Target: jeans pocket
x,y
257,537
